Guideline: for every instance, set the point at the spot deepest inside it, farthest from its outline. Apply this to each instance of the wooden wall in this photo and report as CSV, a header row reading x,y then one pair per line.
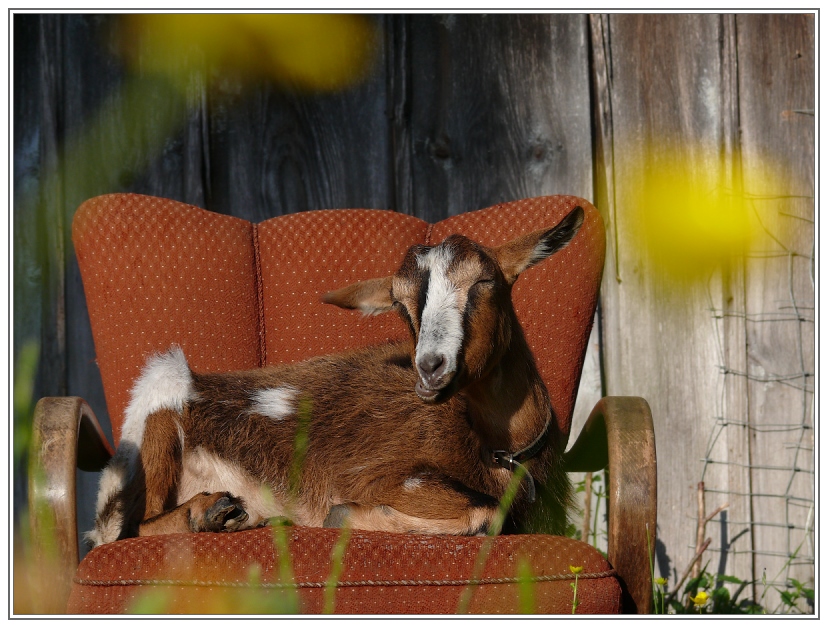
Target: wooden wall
x,y
461,112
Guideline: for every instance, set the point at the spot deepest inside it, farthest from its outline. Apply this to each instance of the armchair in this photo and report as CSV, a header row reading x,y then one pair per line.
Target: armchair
x,y
237,295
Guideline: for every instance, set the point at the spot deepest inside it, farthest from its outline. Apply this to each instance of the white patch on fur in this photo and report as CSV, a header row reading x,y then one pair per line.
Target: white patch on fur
x,y
113,479
165,383
441,326
205,471
412,483
274,403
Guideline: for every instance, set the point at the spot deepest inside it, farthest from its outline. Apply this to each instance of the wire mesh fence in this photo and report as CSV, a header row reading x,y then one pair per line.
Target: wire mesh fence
x,y
760,456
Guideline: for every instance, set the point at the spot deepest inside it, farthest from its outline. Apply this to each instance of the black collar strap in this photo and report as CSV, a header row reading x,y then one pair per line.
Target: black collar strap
x,y
511,461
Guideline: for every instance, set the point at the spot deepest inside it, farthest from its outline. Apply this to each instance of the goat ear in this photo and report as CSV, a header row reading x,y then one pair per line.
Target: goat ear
x,y
518,255
372,296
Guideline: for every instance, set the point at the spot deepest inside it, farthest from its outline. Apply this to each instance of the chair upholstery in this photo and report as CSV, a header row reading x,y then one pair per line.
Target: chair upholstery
x,y
382,573
238,295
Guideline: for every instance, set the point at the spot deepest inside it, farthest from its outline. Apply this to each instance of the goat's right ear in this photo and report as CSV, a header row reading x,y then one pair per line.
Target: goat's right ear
x,y
372,296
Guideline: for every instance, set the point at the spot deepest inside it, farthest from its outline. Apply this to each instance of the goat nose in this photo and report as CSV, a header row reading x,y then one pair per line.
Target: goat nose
x,y
430,363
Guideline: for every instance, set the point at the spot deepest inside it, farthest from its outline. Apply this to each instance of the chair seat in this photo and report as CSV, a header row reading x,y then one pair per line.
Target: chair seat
x,y
381,573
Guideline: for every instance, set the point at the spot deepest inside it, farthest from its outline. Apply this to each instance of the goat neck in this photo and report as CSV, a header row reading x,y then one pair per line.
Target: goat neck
x,y
509,406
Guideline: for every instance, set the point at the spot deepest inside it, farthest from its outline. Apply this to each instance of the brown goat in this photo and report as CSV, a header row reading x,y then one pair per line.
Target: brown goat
x,y
418,436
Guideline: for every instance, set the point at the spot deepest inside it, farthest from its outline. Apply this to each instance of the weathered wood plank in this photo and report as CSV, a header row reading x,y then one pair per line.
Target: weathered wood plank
x,y
273,151
499,110
776,88
27,263
730,552
660,91
398,77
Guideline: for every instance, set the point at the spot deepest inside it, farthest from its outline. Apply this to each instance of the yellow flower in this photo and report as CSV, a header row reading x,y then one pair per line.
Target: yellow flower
x,y
661,581
313,51
575,570
688,220
700,600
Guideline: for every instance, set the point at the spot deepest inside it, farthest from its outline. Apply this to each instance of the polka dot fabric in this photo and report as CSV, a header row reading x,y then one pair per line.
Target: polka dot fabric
x,y
211,573
158,272
307,254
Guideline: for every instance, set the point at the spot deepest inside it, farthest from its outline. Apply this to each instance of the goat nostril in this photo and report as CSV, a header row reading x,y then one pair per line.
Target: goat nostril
x,y
430,363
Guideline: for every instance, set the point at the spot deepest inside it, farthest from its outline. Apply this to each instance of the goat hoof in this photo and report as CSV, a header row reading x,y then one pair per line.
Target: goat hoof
x,y
337,517
217,512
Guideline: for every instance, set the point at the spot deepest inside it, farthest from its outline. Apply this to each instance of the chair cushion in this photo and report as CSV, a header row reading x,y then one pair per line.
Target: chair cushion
x,y
239,295
240,572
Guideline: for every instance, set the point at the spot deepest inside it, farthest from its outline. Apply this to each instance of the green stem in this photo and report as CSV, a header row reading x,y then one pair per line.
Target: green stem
x,y
494,529
337,561
575,594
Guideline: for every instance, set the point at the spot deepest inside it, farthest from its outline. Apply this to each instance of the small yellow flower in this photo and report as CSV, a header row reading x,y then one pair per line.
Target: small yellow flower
x,y
661,581
700,600
575,570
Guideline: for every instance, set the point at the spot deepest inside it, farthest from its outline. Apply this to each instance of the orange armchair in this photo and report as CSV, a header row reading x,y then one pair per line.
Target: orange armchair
x,y
237,295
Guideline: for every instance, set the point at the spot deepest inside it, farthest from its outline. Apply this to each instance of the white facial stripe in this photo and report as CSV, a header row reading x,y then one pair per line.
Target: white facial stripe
x,y
274,403
441,326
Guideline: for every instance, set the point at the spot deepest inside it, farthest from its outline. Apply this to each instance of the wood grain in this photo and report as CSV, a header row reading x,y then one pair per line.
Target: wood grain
x,y
731,536
498,110
66,435
776,89
656,340
618,436
276,152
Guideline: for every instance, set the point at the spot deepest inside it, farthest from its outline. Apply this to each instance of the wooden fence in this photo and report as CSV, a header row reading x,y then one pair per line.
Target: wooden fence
x,y
461,112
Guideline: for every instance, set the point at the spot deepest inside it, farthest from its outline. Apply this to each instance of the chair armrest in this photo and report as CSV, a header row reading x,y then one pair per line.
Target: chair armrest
x,y
65,436
619,435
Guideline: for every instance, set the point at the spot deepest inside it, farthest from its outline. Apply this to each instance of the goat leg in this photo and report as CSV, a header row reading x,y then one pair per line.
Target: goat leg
x,y
205,512
427,502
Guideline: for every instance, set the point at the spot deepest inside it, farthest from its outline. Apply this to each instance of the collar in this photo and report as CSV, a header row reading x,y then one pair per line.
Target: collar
x,y
511,461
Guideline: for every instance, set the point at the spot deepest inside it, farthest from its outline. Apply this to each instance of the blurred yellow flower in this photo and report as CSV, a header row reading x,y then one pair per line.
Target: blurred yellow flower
x,y
687,217
311,51
700,600
575,570
661,581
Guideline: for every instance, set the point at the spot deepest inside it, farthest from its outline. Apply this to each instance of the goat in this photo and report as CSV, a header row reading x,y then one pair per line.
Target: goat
x,y
417,436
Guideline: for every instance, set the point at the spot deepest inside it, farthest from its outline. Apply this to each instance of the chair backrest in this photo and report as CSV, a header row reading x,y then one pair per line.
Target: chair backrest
x,y
237,295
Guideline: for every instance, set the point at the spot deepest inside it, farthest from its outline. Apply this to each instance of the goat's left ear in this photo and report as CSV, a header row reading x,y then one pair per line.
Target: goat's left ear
x,y
372,296
518,255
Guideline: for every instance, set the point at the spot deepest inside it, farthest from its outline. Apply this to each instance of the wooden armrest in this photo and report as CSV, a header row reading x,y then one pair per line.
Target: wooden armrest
x,y
618,435
66,436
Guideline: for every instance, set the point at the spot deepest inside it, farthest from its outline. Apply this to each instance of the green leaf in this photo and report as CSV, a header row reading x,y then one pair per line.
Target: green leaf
x,y
731,579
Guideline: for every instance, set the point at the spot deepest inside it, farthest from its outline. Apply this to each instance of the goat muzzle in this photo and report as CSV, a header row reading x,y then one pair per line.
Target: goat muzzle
x,y
434,376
